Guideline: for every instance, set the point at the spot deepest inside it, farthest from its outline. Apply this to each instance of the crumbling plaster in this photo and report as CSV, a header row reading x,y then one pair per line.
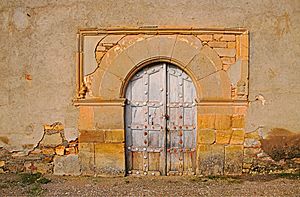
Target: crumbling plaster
x,y
38,45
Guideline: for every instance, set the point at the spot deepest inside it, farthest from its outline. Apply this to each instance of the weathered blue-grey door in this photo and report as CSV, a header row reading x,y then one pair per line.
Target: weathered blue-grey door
x,y
160,122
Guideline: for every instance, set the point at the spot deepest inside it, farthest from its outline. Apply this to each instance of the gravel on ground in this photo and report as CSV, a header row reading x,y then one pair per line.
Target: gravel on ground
x,y
247,185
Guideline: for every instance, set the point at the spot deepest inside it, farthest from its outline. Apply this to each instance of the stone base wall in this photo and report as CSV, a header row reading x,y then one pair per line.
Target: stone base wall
x,y
53,154
224,148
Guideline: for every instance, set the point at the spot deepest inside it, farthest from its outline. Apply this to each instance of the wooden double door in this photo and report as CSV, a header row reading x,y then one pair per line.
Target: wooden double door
x,y
160,122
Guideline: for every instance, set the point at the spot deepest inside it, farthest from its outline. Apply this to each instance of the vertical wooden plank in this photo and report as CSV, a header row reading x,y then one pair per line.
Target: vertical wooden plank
x,y
137,161
163,156
154,161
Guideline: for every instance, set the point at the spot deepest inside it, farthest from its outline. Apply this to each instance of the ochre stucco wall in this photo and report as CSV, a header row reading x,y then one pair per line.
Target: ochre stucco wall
x,y
38,45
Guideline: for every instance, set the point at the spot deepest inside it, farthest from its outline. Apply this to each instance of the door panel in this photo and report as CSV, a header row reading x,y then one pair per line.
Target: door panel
x,y
181,127
160,122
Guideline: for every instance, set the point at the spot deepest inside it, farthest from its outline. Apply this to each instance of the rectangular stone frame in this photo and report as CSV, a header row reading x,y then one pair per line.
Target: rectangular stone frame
x,y
220,123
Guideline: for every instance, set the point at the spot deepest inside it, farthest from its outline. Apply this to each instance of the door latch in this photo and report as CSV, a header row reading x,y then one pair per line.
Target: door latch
x,y
166,116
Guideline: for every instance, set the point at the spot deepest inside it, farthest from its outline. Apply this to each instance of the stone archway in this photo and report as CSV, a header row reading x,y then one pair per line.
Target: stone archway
x,y
220,105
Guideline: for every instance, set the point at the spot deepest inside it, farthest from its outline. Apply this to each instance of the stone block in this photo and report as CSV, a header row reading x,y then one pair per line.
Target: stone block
x,y
248,159
48,151
231,45
212,55
210,159
223,136
225,52
109,158
219,82
215,44
86,158
47,158
66,165
60,150
228,60
206,136
247,165
163,47
86,118
296,160
223,122
137,47
51,140
201,66
55,127
44,168
99,55
2,163
243,47
206,121
120,71
253,135
114,136
71,134
110,84
224,37
226,67
238,121
252,143
92,136
205,37
36,151
109,117
251,152
71,150
238,137
112,39
233,160
185,48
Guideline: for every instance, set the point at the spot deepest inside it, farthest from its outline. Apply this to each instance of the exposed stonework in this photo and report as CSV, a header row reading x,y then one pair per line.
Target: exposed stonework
x,y
50,154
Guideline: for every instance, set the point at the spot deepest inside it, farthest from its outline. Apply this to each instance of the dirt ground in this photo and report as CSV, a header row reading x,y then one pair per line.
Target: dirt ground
x,y
49,185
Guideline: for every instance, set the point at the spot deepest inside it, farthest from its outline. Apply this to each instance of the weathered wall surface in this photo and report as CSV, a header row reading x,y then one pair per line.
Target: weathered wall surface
x,y
38,45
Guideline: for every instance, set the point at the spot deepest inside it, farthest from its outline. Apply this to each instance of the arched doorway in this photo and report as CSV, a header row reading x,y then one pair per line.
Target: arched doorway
x,y
160,122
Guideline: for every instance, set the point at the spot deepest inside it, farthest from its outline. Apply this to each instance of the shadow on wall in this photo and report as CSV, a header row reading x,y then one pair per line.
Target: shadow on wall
x,y
282,144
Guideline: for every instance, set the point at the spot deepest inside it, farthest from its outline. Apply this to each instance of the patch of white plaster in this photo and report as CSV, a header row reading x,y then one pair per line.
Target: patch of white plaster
x,y
20,19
